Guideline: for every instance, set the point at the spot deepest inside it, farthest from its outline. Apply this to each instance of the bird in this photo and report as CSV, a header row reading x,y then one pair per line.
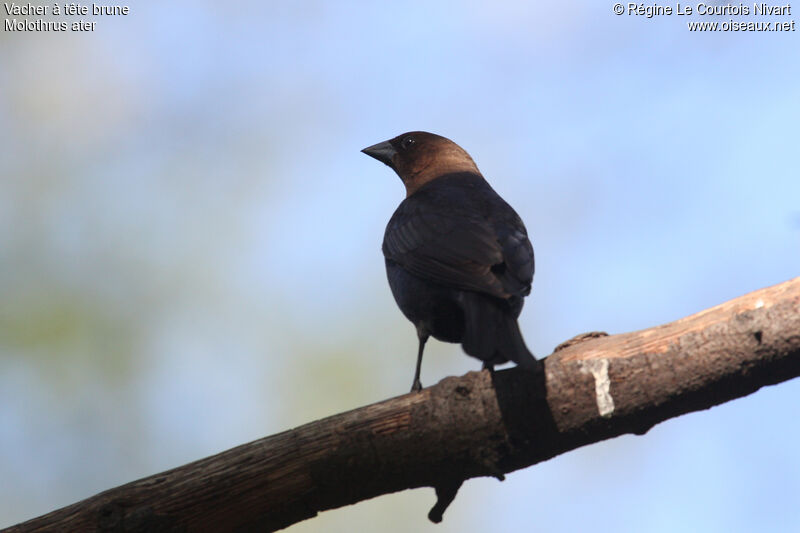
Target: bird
x,y
458,257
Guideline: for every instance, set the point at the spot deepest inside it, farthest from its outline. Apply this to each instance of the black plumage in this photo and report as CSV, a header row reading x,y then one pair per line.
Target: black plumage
x,y
458,257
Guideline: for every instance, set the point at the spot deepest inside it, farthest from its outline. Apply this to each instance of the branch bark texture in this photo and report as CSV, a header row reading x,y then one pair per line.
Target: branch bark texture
x,y
481,424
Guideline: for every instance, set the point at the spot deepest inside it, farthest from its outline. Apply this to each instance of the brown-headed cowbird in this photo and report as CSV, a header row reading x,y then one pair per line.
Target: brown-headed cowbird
x,y
458,257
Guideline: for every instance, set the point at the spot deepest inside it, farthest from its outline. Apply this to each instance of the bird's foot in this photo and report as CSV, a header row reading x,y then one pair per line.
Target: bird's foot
x,y
417,386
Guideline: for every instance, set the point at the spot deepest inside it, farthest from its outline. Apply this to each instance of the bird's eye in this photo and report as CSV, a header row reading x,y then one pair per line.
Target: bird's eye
x,y
408,142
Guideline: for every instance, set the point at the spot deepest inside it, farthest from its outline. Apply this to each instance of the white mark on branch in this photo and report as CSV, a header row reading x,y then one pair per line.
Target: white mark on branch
x,y
759,303
602,384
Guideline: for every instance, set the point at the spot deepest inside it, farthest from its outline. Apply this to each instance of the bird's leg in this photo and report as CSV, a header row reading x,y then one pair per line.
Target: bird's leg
x,y
488,366
423,338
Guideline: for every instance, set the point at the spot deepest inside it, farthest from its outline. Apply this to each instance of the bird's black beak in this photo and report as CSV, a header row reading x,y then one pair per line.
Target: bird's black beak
x,y
383,152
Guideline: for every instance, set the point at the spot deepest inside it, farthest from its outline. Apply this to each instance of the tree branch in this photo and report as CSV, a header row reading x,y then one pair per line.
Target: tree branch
x,y
593,388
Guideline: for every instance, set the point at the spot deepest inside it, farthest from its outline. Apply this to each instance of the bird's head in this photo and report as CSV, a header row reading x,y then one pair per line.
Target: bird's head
x,y
419,157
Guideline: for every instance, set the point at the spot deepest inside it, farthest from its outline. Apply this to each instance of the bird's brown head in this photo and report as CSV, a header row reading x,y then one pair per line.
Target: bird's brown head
x,y
419,157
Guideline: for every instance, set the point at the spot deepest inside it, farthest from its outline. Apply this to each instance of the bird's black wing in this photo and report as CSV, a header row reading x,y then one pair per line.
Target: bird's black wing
x,y
459,246
516,272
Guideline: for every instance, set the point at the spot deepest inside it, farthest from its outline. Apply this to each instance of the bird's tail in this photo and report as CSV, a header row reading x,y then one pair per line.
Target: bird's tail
x,y
511,345
492,334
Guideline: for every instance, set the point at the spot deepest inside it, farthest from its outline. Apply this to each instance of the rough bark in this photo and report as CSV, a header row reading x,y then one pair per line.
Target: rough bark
x,y
592,388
